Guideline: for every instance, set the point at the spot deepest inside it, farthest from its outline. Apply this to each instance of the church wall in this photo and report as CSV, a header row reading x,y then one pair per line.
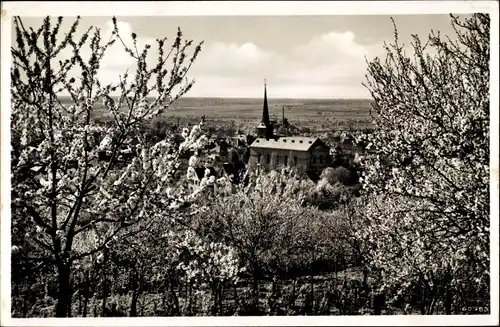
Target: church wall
x,y
303,157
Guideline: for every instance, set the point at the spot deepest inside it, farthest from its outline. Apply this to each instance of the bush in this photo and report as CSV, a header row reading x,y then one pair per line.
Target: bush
x,y
340,175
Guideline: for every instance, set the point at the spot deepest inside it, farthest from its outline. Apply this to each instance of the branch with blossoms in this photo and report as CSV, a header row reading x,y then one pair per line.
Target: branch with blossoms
x,y
75,200
427,187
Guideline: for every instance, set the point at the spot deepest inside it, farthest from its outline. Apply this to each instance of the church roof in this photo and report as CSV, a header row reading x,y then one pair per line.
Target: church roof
x,y
292,143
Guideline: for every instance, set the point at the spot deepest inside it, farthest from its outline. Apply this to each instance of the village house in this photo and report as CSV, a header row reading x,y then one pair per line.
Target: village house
x,y
271,151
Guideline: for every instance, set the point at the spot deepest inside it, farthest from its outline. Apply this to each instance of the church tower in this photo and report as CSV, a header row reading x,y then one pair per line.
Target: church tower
x,y
265,129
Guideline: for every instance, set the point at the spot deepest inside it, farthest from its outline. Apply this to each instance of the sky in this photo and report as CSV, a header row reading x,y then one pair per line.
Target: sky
x,y
298,56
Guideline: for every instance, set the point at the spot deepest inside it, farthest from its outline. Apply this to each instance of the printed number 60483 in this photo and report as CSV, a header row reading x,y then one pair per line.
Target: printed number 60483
x,y
475,309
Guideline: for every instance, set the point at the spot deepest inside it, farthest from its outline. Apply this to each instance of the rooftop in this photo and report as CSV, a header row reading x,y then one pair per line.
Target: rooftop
x,y
293,143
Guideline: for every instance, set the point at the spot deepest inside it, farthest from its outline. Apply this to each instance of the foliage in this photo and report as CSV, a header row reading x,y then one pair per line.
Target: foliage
x,y
428,186
339,175
68,203
266,224
114,220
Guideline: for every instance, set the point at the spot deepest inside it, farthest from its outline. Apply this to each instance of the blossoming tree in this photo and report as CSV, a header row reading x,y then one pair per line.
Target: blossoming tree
x,y
264,222
68,203
428,217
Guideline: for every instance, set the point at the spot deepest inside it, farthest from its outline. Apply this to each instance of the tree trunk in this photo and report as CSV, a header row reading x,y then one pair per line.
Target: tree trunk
x,y
86,294
274,286
104,290
25,306
422,302
115,281
255,292
46,288
63,270
365,277
336,270
190,299
164,299
80,297
431,306
133,305
448,301
175,300
70,298
235,296
378,304
135,296
221,300
311,281
173,296
215,299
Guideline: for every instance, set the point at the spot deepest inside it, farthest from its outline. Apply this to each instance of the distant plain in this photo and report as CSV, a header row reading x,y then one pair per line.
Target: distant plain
x,y
317,114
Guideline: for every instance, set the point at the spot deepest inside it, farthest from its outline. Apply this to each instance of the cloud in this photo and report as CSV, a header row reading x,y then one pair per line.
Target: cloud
x,y
329,65
230,59
117,61
116,58
331,46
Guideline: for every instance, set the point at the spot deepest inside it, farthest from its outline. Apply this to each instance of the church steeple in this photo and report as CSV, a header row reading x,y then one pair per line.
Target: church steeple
x,y
265,129
265,111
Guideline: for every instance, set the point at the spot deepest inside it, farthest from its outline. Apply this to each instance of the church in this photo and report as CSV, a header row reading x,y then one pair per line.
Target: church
x,y
271,151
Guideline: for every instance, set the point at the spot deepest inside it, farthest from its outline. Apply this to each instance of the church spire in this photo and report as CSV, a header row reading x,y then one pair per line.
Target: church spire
x,y
265,129
265,111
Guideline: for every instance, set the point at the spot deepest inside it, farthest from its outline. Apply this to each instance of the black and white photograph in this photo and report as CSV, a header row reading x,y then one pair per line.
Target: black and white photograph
x,y
270,164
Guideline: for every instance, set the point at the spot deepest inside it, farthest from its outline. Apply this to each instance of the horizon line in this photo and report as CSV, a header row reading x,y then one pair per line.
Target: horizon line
x,y
270,99
257,98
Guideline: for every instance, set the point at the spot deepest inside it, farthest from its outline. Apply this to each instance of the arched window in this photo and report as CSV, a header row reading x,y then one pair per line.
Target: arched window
x,y
320,159
314,159
259,157
295,160
268,158
286,160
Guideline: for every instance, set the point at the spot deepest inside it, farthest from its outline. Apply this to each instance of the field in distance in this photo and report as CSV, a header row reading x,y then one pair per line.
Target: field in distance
x,y
320,114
